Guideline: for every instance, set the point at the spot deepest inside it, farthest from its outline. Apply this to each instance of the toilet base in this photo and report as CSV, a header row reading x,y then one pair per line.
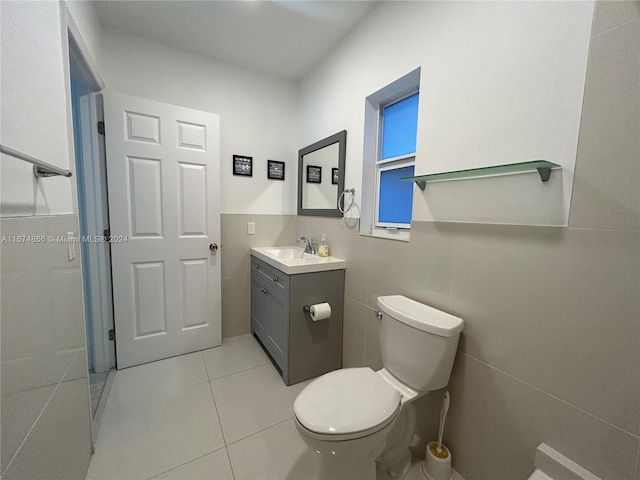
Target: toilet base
x,y
395,460
394,471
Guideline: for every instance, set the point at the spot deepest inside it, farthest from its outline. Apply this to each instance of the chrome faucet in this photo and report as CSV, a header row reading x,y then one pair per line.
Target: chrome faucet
x,y
309,248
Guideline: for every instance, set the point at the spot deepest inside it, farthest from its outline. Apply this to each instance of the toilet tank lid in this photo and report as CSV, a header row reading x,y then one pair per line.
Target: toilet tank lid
x,y
420,316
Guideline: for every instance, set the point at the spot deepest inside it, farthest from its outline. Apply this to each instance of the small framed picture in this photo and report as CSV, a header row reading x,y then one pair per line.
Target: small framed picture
x,y
334,176
314,174
243,165
275,170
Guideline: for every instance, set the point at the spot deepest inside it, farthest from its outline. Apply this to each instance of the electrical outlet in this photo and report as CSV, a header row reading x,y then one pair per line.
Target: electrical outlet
x,y
251,228
71,247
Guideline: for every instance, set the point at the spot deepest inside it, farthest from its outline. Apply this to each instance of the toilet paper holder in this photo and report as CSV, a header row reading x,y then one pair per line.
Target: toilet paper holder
x,y
307,308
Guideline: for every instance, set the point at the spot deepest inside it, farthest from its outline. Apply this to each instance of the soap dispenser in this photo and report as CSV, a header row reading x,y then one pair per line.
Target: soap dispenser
x,y
323,248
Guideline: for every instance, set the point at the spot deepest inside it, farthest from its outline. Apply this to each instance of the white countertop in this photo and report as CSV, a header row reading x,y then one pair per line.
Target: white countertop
x,y
293,260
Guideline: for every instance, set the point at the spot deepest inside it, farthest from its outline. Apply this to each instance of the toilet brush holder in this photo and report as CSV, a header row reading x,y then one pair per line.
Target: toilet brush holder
x,y
437,465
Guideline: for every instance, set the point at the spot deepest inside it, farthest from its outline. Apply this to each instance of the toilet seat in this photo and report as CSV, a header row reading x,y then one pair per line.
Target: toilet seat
x,y
347,404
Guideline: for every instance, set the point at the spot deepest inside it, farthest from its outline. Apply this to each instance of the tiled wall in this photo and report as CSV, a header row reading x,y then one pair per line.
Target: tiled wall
x,y
271,230
550,351
550,347
45,415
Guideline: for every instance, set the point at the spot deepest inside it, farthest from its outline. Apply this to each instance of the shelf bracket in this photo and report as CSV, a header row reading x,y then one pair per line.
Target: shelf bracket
x,y
545,173
421,184
42,172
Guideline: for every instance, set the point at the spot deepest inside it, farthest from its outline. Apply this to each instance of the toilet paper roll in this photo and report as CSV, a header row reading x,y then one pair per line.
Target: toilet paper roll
x,y
320,311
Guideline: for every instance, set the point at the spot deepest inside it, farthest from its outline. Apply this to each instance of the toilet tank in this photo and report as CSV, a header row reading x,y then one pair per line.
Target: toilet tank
x,y
418,342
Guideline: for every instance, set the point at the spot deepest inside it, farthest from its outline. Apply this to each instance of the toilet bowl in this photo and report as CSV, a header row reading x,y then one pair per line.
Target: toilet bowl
x,y
347,412
356,412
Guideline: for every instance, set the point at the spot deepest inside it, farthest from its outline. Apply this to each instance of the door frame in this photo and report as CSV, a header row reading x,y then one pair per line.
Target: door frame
x,y
90,174
96,205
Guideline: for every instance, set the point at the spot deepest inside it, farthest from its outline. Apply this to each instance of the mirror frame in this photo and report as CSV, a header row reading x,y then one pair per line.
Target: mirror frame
x,y
341,139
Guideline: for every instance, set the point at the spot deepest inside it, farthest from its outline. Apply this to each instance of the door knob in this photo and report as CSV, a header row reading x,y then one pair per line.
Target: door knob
x,y
213,247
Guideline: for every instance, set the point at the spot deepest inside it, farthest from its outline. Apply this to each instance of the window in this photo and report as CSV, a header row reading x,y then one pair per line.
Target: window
x,y
396,159
389,153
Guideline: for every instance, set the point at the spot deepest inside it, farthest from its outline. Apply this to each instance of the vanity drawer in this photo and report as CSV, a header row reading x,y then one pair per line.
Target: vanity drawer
x,y
271,275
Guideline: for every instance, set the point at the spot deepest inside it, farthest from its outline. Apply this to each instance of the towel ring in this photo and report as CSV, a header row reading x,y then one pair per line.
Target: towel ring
x,y
352,191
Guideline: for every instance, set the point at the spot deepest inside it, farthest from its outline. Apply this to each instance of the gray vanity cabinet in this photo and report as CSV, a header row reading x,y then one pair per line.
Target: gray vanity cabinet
x,y
258,307
299,347
269,310
270,319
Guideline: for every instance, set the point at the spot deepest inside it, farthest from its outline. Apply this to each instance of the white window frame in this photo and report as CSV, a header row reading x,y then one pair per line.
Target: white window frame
x,y
384,166
393,163
373,166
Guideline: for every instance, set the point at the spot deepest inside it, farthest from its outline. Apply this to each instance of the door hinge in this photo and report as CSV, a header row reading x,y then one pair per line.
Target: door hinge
x,y
112,334
106,234
101,128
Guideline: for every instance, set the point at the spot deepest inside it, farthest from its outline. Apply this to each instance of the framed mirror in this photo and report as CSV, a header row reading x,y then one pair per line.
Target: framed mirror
x,y
321,176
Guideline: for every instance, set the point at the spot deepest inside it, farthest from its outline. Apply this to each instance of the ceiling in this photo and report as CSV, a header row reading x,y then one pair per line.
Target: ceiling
x,y
283,38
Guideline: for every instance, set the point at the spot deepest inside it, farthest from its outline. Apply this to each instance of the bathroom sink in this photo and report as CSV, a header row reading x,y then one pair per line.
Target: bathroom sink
x,y
290,253
293,260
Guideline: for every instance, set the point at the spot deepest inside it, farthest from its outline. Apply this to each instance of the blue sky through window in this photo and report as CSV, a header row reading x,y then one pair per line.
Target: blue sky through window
x,y
400,127
396,197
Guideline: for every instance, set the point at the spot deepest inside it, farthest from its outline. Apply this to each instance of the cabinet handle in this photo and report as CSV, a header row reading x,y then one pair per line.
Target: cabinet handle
x,y
275,279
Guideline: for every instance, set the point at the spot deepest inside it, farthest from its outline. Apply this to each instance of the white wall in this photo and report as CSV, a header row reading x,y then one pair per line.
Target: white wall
x,y
34,87
501,82
34,108
257,112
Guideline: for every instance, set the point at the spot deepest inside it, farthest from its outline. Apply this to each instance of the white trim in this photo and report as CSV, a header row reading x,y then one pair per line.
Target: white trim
x,y
397,88
397,163
392,164
403,87
396,159
367,200
406,226
393,226
100,281
398,98
99,258
75,34
402,235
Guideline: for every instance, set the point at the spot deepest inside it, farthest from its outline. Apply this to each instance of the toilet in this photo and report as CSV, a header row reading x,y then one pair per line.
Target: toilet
x,y
357,412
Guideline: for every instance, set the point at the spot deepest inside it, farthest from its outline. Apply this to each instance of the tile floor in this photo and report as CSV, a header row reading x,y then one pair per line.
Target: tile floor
x,y
223,413
96,385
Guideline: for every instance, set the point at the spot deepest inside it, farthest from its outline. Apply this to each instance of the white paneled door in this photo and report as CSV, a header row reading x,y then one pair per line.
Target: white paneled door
x,y
163,175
